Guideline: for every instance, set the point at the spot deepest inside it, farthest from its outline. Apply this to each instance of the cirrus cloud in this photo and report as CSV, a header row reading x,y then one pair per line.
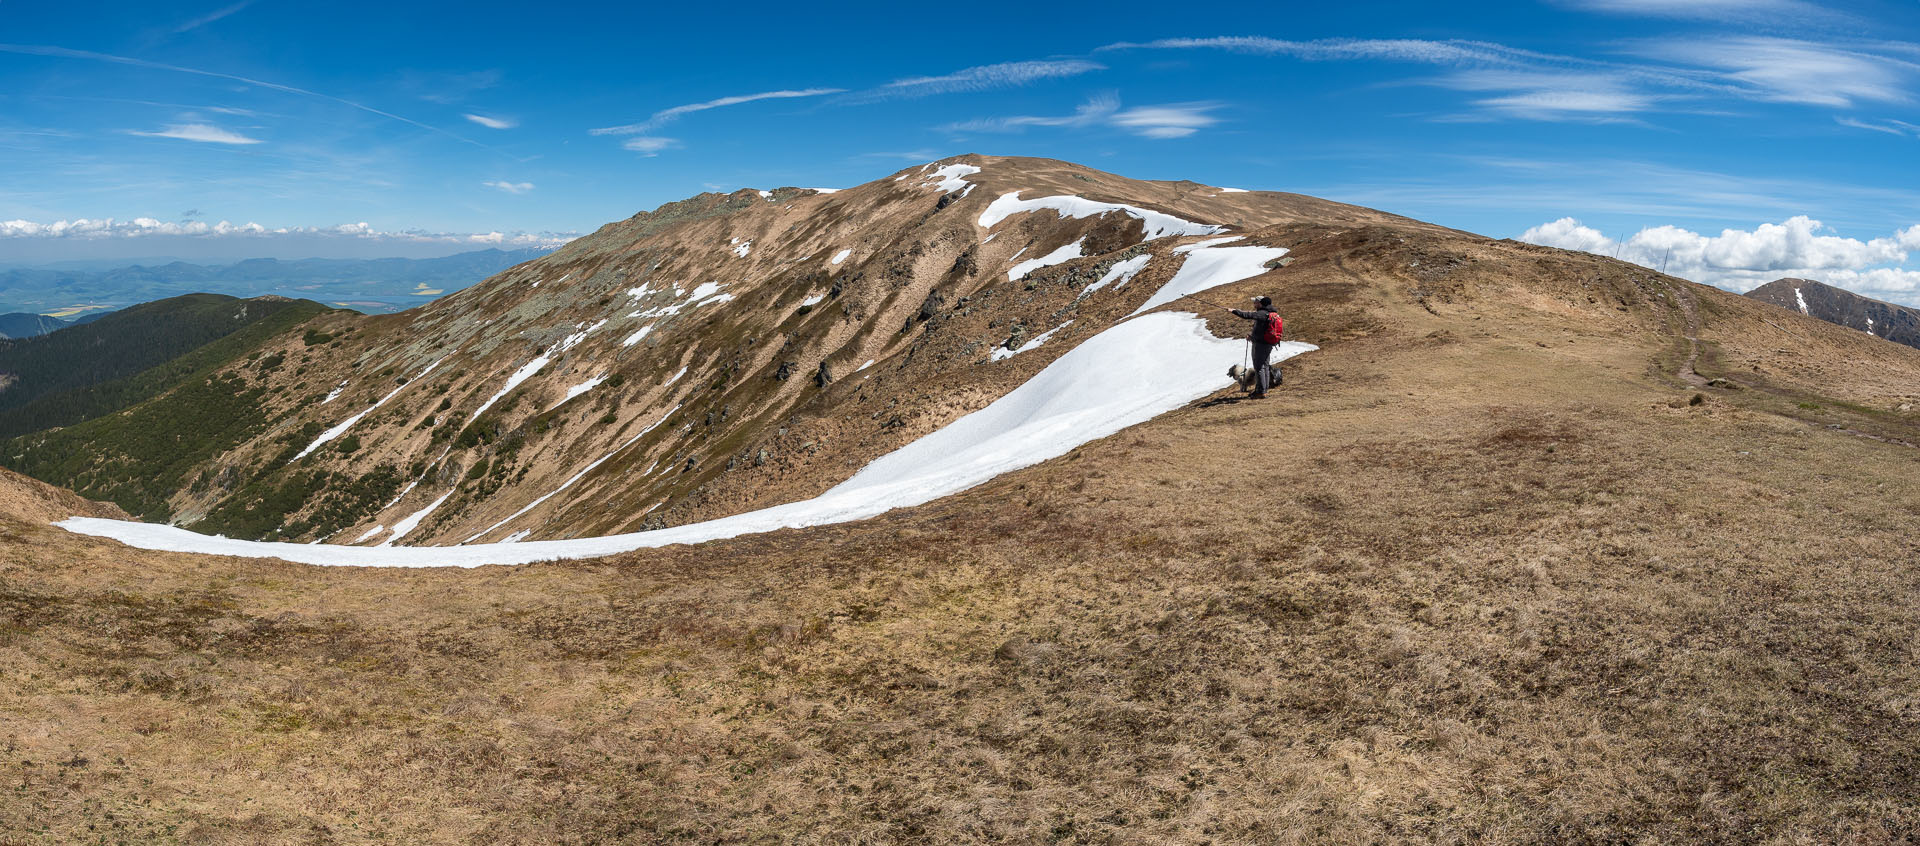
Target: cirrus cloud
x,y
202,132
509,187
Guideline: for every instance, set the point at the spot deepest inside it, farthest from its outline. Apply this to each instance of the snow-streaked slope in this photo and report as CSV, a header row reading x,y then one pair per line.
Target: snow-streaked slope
x,y
1170,358
1119,274
1158,224
1064,254
344,425
1002,353
1210,267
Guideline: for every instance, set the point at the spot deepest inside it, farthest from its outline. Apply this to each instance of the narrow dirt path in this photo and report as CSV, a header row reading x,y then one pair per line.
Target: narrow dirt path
x,y
1691,309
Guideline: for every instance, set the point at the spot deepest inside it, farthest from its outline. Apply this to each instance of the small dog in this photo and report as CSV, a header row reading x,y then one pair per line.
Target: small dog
x,y
1245,376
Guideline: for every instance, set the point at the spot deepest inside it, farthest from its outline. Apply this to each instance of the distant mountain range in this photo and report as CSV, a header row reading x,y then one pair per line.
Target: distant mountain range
x,y
368,285
1895,323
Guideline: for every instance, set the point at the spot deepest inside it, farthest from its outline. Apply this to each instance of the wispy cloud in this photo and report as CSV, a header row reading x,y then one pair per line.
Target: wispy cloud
x,y
1173,120
1890,127
139,227
197,132
986,77
1726,11
492,122
510,187
666,116
649,145
87,55
1785,70
210,17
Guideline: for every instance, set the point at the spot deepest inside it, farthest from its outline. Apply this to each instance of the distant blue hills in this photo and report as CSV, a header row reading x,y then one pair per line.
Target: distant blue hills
x,y
29,294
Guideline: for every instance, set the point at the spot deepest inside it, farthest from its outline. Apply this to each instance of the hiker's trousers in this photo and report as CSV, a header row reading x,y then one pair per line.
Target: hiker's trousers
x,y
1261,352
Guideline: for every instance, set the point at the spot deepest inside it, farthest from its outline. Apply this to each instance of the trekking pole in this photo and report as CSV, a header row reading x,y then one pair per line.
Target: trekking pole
x,y
1201,301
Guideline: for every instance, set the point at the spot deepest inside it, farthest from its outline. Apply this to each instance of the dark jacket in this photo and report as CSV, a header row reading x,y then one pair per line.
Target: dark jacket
x,y
1259,318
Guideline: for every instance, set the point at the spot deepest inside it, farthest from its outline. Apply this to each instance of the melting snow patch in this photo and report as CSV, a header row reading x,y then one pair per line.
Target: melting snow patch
x,y
1064,254
1169,357
1002,353
840,256
525,372
1870,326
1803,301
412,521
741,248
564,485
335,393
864,366
579,389
1119,274
517,537
824,190
342,428
1158,224
636,336
369,535
1210,267
1233,190
813,300
764,195
676,377
949,179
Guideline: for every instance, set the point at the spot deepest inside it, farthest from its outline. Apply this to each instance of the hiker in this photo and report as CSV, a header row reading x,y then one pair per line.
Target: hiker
x,y
1266,333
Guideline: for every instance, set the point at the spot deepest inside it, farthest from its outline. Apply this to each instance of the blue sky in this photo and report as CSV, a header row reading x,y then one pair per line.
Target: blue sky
x,y
1733,141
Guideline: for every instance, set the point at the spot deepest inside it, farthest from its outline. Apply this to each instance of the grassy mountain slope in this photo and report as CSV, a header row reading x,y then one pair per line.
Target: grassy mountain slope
x,y
118,346
22,325
1539,548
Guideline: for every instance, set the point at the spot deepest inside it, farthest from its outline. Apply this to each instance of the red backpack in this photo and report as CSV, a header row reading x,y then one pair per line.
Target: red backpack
x,y
1271,333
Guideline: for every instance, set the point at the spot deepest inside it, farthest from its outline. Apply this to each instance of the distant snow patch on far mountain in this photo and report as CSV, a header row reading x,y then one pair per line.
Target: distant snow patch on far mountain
x,y
840,256
637,335
1158,224
579,389
1233,191
741,248
1064,254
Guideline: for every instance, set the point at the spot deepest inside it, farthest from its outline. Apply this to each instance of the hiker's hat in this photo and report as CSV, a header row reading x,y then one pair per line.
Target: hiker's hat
x,y
1263,302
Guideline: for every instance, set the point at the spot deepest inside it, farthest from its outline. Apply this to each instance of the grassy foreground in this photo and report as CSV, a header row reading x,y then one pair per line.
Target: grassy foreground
x,y
1455,585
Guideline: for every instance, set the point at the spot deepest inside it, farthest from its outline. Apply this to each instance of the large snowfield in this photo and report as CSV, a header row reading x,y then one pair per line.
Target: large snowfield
x,y
1130,373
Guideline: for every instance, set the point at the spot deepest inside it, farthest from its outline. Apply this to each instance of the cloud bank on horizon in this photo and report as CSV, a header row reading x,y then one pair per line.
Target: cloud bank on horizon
x,y
1554,119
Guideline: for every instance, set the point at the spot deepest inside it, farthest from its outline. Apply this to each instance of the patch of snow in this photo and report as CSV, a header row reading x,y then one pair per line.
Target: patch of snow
x,y
1002,353
1022,252
525,372
517,537
637,335
1158,224
1170,360
840,256
1233,190
412,521
639,292
342,428
1870,325
1211,267
579,389
813,300
335,393
676,377
566,484
369,535
1119,274
741,248
706,289
948,179
1210,242
764,195
824,190
864,366
989,238
1064,254
1803,301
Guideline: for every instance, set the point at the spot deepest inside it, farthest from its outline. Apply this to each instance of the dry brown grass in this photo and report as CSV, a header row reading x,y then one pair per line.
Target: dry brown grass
x,y
1478,574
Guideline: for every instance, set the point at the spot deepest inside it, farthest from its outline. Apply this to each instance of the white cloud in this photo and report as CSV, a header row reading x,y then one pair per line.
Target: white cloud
x,y
99,228
210,17
1709,10
492,122
197,132
666,116
981,78
1785,70
649,145
510,187
1174,120
1742,260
